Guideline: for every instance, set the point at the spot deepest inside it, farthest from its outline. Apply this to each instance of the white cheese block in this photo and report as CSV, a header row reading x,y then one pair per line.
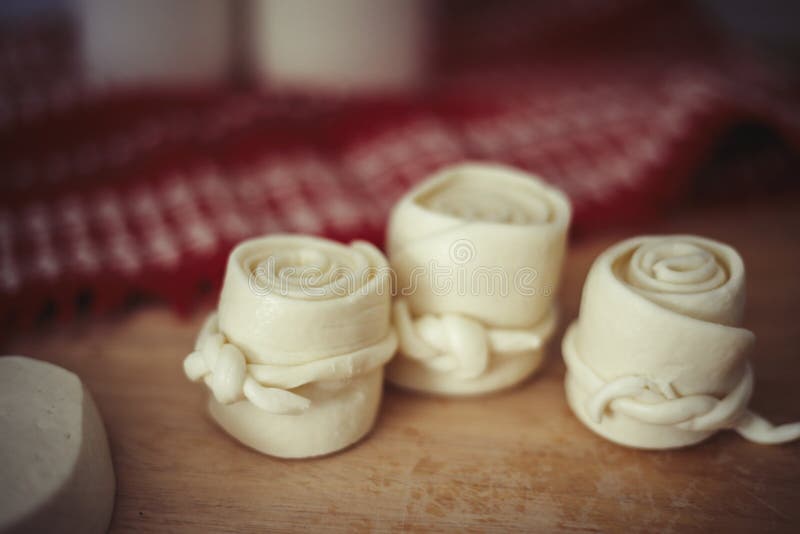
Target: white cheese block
x,y
55,466
342,46
154,43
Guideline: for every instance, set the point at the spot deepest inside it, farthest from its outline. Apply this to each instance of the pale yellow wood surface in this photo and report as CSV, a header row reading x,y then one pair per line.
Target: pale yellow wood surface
x,y
515,459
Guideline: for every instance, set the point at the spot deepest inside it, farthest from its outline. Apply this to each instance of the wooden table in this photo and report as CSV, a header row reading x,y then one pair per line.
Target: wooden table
x,y
515,459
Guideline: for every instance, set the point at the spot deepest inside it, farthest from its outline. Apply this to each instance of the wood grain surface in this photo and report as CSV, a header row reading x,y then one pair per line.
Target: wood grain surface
x,y
517,459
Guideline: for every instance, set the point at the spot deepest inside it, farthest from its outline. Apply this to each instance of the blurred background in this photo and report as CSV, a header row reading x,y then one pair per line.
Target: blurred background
x,y
141,139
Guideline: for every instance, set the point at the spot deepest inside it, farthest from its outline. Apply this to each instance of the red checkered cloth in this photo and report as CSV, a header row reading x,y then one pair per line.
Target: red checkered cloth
x,y
105,196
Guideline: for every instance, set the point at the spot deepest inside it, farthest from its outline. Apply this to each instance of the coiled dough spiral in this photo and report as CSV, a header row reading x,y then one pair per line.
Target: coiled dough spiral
x,y
477,250
657,358
294,355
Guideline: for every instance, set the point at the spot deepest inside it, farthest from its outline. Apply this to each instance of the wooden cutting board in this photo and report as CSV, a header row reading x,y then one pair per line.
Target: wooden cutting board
x,y
517,459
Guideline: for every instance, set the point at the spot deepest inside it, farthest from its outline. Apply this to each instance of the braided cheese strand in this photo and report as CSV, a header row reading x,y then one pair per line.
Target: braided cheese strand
x,y
224,369
453,343
692,412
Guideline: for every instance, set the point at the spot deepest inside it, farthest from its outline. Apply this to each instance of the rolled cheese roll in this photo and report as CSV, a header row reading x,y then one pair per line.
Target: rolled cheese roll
x,y
55,466
657,358
294,355
477,251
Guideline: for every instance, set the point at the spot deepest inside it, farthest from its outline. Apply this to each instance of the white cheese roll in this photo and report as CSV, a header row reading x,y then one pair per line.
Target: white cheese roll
x,y
477,250
657,358
298,344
